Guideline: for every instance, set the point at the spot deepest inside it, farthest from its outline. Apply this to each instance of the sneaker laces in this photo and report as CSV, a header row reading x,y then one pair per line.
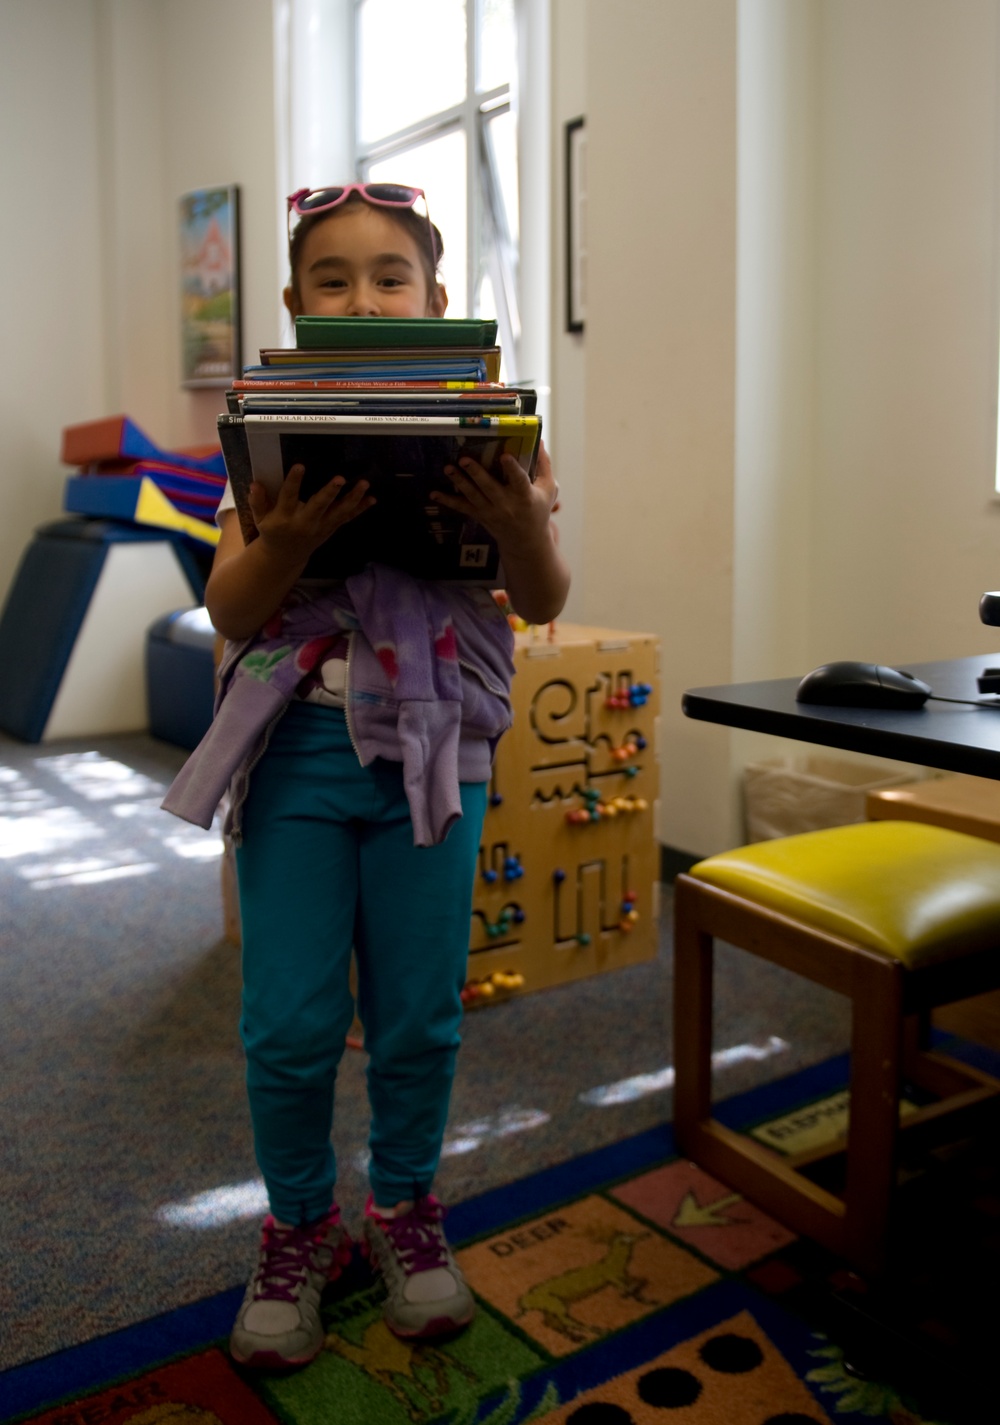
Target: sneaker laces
x,y
286,1255
417,1237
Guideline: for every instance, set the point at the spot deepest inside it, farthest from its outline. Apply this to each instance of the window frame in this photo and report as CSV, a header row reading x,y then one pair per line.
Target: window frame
x,y
484,205
314,118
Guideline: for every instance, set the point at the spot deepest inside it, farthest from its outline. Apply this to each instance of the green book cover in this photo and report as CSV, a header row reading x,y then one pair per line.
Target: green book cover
x,y
315,332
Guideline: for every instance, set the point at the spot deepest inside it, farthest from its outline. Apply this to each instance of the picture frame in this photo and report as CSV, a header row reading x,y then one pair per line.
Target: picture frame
x,y
211,337
576,212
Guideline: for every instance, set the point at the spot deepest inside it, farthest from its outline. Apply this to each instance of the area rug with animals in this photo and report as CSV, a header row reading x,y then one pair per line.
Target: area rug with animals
x,y
623,1288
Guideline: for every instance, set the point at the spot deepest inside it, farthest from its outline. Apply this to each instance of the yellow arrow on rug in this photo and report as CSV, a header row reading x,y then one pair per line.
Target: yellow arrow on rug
x,y
712,1214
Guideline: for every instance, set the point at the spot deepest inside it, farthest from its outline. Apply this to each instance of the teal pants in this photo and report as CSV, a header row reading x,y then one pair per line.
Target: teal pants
x,y
328,864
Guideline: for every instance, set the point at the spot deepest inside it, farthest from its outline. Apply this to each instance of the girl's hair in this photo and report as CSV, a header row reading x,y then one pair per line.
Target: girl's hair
x,y
429,242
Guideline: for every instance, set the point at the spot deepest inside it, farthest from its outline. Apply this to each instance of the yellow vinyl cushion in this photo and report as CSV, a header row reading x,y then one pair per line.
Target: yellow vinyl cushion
x,y
917,893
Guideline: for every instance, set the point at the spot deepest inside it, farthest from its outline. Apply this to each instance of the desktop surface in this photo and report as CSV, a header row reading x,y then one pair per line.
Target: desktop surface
x,y
949,736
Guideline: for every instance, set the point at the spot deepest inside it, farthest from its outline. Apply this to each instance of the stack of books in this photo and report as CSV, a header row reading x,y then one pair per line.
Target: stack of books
x,y
122,474
391,401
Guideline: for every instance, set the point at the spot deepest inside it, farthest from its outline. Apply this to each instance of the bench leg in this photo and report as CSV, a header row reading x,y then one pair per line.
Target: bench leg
x,y
693,964
877,1037
916,1036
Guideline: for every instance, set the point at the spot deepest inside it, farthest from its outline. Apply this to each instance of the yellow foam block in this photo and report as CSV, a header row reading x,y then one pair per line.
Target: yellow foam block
x,y
152,507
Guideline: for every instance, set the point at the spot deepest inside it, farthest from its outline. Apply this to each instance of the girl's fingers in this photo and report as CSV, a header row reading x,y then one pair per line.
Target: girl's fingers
x,y
260,502
514,470
288,496
326,495
348,507
258,497
546,483
453,502
470,479
357,495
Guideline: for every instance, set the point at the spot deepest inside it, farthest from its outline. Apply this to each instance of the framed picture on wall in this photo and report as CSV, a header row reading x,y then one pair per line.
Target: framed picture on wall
x,y
211,345
576,212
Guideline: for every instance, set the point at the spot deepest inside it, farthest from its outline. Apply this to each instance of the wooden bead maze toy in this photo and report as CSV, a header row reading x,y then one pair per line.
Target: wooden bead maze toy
x,y
569,864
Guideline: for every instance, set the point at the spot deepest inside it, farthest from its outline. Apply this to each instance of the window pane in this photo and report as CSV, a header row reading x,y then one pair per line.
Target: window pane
x,y
497,33
487,304
501,138
411,62
438,168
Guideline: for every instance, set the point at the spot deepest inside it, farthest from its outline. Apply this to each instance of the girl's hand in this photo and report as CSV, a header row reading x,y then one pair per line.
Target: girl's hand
x,y
517,515
514,513
290,528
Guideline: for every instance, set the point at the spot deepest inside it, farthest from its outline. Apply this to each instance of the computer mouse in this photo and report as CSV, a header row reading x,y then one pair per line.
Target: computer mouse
x,y
862,685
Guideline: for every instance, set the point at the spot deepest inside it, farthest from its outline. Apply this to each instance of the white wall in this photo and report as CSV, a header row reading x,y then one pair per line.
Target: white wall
x,y
776,326
218,77
907,531
659,391
778,183
51,274
867,310
137,248
866,524
110,110
852,362
566,434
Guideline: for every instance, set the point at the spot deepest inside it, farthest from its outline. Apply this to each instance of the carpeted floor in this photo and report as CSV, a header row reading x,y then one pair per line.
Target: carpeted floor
x,y
624,1287
128,1181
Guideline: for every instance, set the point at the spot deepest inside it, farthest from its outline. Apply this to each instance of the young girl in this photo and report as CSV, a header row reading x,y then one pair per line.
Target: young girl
x,y
355,728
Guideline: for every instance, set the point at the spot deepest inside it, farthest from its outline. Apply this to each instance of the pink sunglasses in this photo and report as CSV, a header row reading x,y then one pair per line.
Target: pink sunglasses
x,y
380,195
383,195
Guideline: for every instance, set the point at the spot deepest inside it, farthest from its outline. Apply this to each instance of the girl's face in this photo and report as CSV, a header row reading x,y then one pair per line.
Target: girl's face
x,y
359,262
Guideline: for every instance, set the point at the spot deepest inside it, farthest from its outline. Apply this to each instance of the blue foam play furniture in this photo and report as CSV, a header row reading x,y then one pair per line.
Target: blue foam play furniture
x,y
125,573
180,676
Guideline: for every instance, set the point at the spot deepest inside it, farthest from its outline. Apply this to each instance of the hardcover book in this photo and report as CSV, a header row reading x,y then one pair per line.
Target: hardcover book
x,y
403,459
311,332
402,405
440,363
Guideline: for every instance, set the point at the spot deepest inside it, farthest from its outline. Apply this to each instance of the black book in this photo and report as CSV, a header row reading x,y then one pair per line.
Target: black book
x,y
403,459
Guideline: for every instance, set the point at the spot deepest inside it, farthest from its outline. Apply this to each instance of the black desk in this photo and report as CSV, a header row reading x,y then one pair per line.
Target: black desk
x,y
953,738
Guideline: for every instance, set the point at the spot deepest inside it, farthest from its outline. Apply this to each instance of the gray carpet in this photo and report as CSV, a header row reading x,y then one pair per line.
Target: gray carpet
x,y
128,1180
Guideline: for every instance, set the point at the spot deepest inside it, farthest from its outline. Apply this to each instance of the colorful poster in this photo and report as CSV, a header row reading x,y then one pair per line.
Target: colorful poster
x,y
210,298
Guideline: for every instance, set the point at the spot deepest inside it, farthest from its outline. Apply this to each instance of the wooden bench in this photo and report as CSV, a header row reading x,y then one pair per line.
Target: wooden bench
x,y
899,918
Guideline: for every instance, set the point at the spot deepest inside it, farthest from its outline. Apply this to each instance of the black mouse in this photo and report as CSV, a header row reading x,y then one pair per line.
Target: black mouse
x,y
862,685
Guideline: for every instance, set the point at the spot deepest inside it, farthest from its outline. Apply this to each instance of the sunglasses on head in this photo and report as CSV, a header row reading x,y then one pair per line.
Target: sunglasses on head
x,y
381,195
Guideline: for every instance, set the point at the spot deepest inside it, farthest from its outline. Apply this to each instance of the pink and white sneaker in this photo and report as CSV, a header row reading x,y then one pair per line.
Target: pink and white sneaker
x,y
279,1323
426,1293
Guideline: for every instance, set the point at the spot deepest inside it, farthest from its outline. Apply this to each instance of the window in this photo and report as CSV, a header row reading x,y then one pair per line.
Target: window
x,y
433,108
438,94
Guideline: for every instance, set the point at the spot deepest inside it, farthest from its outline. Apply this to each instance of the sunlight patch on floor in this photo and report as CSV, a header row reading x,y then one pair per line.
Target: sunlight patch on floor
x,y
98,778
183,839
232,1203
18,795
200,847
91,872
628,1090
39,832
467,1137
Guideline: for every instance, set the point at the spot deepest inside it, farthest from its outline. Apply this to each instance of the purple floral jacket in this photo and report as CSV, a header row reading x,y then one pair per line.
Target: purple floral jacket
x,y
428,685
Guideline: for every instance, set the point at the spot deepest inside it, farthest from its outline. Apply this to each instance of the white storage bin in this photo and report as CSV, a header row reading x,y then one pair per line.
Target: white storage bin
x,y
786,795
